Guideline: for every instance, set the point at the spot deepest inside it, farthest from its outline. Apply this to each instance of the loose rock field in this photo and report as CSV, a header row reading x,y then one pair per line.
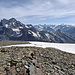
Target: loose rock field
x,y
36,61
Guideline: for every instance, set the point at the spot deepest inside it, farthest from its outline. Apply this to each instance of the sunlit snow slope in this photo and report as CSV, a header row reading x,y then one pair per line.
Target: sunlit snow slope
x,y
62,46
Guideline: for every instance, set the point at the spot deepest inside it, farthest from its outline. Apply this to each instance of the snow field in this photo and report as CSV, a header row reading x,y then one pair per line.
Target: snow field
x,y
61,46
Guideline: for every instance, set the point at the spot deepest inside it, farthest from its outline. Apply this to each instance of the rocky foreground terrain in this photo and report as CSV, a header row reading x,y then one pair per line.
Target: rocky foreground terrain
x,y
36,61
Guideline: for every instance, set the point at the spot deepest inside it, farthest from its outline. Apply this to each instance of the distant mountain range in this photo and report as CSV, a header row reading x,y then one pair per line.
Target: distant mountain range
x,y
69,29
15,30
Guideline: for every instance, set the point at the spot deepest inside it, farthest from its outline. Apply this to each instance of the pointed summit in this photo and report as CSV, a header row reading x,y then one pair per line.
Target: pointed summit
x,y
12,19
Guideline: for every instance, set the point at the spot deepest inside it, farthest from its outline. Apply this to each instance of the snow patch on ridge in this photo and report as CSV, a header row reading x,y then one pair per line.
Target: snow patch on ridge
x,y
33,33
6,25
47,35
16,29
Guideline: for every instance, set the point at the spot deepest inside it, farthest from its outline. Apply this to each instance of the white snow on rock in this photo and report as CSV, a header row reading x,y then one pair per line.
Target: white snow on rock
x,y
13,23
29,32
61,46
16,29
6,25
21,27
48,36
33,33
26,26
38,34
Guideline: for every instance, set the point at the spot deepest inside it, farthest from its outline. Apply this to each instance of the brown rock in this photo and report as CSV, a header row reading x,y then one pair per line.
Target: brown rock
x,y
13,70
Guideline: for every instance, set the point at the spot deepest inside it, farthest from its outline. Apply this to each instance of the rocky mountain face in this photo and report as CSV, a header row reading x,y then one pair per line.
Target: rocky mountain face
x,y
69,29
15,30
64,36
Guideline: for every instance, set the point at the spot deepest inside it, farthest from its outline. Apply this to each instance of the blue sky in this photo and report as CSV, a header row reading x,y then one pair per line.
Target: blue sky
x,y
39,11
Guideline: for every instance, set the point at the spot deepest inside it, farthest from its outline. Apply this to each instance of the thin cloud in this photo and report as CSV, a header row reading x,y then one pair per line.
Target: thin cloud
x,y
29,10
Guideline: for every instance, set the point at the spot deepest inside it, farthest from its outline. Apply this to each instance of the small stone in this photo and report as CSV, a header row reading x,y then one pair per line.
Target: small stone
x,y
13,70
57,67
8,64
7,68
26,66
18,70
23,61
48,73
56,73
